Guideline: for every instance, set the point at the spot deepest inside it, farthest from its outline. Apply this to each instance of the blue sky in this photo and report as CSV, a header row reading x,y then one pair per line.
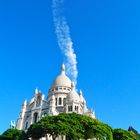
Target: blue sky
x,y
106,41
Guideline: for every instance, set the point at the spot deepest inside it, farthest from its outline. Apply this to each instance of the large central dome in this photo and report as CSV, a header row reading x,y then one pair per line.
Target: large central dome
x,y
62,80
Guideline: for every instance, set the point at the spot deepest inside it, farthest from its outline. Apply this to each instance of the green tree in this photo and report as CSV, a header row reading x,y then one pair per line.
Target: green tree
x,y
54,126
36,131
93,128
72,125
5,137
15,134
120,134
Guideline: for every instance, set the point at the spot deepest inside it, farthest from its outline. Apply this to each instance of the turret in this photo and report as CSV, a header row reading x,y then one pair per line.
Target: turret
x,y
20,120
42,96
82,98
36,92
42,99
52,108
23,109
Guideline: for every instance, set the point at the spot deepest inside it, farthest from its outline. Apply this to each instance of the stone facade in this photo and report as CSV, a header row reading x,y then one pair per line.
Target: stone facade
x,y
62,97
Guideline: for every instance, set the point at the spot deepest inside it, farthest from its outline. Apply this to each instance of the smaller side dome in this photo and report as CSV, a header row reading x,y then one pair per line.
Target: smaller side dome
x,y
73,95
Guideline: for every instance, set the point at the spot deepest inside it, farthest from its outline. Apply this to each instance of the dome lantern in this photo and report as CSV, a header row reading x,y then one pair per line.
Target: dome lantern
x,y
63,69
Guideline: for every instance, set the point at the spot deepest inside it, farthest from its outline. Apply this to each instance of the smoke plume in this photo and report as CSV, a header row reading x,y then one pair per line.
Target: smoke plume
x,y
64,40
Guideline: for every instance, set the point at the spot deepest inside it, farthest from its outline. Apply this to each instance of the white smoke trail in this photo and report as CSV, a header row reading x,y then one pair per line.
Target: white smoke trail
x,y
64,40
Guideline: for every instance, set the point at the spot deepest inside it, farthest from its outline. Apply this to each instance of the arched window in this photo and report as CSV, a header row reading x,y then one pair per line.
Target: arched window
x,y
56,89
60,101
69,108
35,117
76,108
56,101
64,101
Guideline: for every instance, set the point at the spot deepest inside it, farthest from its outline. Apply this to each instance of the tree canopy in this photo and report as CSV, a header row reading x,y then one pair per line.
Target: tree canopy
x,y
73,126
120,134
5,137
14,134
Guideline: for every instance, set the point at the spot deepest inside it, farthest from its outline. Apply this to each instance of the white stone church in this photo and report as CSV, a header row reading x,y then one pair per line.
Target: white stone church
x,y
62,97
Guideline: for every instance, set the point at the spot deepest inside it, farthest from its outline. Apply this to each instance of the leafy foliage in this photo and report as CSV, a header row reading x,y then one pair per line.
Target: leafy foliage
x,y
35,131
73,126
5,138
120,134
14,134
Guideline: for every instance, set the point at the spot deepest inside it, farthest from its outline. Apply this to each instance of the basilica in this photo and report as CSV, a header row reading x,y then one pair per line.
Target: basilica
x,y
62,97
